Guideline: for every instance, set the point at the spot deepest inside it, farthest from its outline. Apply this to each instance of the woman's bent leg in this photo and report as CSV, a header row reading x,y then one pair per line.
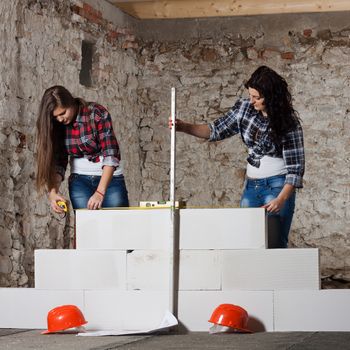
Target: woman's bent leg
x,y
286,217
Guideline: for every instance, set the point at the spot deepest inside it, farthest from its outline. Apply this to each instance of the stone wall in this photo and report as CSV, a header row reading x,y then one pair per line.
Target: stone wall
x,y
135,65
42,47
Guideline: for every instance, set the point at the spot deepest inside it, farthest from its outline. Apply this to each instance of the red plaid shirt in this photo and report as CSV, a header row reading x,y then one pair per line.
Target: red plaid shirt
x,y
90,135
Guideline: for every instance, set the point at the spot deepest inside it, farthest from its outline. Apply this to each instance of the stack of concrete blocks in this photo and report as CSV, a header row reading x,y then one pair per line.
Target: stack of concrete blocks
x,y
119,274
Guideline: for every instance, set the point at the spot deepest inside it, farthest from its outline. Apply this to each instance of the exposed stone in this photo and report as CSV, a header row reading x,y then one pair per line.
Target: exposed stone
x,y
325,34
209,55
5,264
5,241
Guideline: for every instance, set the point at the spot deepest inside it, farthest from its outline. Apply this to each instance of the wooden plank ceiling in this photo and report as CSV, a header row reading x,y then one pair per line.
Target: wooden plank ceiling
x,y
162,9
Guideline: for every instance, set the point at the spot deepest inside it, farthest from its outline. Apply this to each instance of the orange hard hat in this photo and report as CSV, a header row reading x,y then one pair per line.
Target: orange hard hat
x,y
232,316
64,317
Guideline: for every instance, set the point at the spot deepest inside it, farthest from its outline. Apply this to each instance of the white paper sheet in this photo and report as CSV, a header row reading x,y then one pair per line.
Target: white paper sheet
x,y
169,320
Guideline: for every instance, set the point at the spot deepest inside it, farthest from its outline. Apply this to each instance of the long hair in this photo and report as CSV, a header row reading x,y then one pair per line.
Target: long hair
x,y
278,101
50,133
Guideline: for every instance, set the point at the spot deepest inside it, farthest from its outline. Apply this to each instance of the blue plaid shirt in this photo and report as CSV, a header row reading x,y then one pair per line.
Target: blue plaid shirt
x,y
254,129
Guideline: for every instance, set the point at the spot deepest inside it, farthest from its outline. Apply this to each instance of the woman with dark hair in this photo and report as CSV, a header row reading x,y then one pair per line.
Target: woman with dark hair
x,y
69,127
270,128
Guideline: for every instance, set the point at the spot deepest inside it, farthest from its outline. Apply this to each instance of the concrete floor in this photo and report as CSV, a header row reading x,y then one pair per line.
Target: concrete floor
x,y
14,339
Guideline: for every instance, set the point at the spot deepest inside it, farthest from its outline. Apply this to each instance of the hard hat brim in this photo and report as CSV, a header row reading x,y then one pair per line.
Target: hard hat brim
x,y
242,330
62,330
239,330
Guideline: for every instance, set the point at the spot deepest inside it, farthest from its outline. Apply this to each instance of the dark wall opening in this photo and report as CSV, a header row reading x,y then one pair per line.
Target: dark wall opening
x,y
87,53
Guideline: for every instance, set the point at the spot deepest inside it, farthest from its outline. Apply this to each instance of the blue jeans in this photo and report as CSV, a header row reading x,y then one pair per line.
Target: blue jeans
x,y
82,187
258,192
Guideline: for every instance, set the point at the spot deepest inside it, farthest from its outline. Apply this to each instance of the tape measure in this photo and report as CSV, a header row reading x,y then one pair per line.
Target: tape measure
x,y
63,206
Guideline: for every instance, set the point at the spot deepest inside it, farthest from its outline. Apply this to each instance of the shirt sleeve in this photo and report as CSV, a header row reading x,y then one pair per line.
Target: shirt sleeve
x,y
107,139
227,125
61,160
294,157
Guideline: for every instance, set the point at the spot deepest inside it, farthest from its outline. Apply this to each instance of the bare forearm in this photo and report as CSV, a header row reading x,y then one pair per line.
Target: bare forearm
x,y
95,201
54,194
198,130
286,192
275,205
56,184
106,178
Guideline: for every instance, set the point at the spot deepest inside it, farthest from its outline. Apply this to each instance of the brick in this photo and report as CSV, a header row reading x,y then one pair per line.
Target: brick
x,y
200,270
271,269
312,311
287,55
224,228
28,307
80,269
130,45
124,310
112,36
149,270
123,229
307,33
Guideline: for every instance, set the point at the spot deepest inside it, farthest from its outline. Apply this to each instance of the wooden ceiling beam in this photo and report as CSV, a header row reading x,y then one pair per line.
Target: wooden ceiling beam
x,y
161,9
116,2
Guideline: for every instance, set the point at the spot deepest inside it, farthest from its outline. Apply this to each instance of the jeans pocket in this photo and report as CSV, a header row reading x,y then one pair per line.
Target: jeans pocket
x,y
276,186
72,177
275,190
277,182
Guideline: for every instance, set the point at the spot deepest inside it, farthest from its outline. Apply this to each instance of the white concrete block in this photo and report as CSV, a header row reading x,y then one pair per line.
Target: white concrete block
x,y
80,269
28,307
125,310
271,269
123,229
148,270
196,307
224,228
312,311
200,270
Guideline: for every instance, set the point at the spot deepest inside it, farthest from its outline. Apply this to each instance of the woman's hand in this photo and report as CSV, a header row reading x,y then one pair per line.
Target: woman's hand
x,y
199,130
95,201
179,124
55,197
274,206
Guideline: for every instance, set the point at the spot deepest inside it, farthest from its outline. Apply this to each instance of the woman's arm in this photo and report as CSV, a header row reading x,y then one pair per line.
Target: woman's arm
x,y
294,157
198,130
55,196
95,201
276,204
221,128
110,152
